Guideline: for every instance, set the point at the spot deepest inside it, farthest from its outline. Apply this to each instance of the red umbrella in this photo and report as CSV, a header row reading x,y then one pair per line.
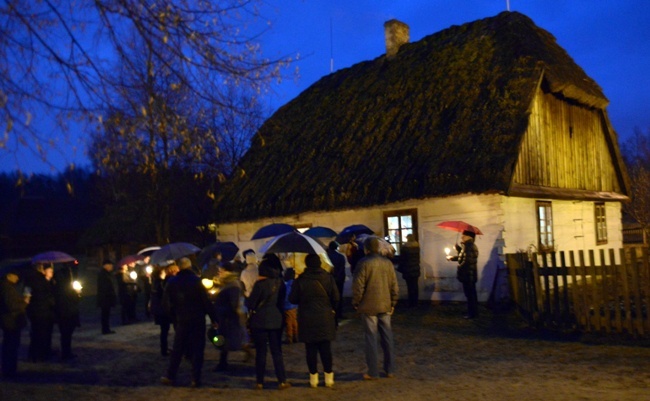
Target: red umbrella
x,y
459,226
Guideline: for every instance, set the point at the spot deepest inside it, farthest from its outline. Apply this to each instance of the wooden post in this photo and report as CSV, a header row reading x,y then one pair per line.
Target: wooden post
x,y
596,301
626,291
576,292
636,291
586,293
566,315
607,318
538,290
616,285
646,271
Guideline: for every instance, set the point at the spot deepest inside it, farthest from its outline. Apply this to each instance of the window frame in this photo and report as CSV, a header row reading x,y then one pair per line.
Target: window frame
x,y
600,223
546,236
402,238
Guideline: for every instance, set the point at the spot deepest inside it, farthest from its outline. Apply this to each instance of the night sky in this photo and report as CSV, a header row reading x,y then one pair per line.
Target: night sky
x,y
609,39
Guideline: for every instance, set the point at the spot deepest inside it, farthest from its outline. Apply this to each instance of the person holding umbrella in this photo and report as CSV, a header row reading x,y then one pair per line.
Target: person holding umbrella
x,y
67,308
12,320
466,271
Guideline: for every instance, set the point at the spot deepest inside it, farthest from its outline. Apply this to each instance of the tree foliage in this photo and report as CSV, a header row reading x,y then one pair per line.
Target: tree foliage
x,y
57,58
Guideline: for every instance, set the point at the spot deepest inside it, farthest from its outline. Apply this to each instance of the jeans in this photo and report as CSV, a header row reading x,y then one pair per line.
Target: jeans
x,y
373,325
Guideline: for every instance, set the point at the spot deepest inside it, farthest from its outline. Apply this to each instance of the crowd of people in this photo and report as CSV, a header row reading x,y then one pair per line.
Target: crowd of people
x,y
250,305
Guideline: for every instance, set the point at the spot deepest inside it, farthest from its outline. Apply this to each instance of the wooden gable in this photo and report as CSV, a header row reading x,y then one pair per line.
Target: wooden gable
x,y
567,152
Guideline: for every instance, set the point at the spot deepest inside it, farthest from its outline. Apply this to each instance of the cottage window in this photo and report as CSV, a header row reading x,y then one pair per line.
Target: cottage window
x,y
601,223
545,226
400,223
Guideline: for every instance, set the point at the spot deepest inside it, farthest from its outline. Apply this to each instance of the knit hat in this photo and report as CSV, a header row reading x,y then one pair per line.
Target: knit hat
x,y
469,233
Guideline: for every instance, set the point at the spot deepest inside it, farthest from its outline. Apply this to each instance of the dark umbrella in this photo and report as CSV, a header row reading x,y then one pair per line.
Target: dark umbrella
x,y
53,257
293,242
320,232
355,229
228,251
273,230
173,251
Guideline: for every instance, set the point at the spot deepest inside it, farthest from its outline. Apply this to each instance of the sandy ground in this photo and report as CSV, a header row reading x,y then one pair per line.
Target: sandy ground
x,y
439,356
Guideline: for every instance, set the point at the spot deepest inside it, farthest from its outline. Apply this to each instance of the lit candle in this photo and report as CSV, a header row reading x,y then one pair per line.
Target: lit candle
x,y
77,286
149,269
133,275
447,251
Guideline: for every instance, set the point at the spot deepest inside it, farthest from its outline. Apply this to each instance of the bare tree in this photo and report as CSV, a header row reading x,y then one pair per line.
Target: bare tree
x,y
636,153
56,58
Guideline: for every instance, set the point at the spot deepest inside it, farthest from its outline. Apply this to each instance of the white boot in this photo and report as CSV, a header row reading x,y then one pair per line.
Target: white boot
x,y
329,379
313,380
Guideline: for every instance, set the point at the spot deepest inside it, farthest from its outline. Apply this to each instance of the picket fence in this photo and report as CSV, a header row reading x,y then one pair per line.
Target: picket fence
x,y
606,291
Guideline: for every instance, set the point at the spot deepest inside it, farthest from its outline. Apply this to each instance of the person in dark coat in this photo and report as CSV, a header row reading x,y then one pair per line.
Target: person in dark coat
x,y
409,266
231,317
338,272
144,270
127,289
317,296
12,320
467,272
160,277
265,304
67,308
106,296
41,313
186,300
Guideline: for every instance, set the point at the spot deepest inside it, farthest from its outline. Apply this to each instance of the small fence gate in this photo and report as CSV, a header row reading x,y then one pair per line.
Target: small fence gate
x,y
565,290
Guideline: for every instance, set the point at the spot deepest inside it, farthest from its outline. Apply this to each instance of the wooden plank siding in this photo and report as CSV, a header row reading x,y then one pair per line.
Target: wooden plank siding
x,y
565,147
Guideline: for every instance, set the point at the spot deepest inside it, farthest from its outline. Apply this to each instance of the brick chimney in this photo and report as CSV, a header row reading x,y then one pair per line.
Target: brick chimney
x,y
397,33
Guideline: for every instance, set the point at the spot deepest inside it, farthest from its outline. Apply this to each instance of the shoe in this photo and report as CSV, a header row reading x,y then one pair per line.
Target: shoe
x,y
284,385
258,386
166,381
313,380
368,377
108,332
329,379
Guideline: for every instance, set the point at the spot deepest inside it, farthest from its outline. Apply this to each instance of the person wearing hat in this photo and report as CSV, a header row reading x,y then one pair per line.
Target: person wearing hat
x,y
12,320
466,271
106,296
186,301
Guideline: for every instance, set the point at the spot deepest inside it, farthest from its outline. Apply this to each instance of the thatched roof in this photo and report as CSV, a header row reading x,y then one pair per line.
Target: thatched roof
x,y
443,117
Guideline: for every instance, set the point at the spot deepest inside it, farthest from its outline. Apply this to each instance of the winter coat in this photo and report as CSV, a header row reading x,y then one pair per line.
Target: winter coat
x,y
231,319
374,285
467,259
186,300
12,307
409,260
266,303
339,261
106,296
42,302
156,302
317,296
66,298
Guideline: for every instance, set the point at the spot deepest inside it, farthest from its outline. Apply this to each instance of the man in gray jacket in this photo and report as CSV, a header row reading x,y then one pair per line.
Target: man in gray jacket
x,y
374,295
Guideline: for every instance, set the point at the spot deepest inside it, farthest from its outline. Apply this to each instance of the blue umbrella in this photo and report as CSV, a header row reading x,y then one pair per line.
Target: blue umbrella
x,y
320,232
53,257
355,229
273,230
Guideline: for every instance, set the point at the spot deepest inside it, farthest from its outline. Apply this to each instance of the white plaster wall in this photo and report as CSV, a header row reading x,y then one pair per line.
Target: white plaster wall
x,y
508,225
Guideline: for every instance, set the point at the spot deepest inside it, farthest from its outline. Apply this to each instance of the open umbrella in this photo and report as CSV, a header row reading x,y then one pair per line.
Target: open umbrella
x,y
355,229
148,250
173,251
127,260
320,232
53,257
228,251
459,226
385,247
292,242
273,230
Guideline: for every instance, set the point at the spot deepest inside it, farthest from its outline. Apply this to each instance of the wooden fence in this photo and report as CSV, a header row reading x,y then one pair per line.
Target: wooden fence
x,y
605,291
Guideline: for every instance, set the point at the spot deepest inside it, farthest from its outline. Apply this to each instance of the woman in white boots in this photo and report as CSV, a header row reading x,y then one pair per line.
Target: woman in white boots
x,y
317,297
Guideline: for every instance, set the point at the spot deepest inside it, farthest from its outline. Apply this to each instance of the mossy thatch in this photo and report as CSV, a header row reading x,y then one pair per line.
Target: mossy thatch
x,y
443,117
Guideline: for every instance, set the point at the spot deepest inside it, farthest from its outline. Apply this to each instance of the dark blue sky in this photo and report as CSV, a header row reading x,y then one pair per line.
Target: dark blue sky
x,y
609,39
